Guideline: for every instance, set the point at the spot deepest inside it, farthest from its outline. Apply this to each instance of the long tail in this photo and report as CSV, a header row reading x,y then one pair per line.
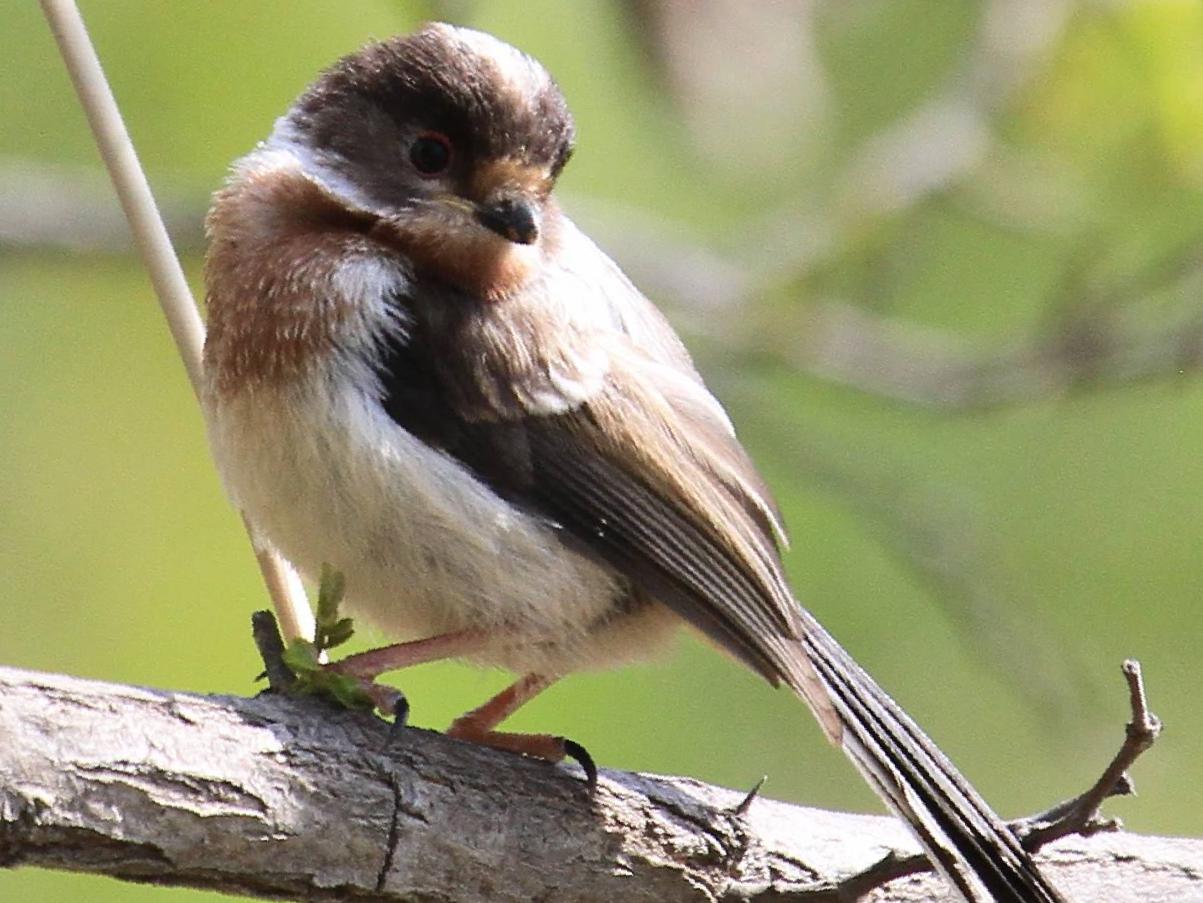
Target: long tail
x,y
963,837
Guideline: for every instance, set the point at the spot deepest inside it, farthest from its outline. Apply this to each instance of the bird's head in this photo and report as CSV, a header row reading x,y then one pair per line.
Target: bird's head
x,y
451,140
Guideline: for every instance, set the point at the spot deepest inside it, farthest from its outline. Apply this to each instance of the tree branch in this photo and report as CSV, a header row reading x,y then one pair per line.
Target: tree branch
x,y
281,797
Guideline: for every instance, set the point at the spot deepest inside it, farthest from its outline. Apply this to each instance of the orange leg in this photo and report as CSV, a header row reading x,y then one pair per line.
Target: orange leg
x,y
371,664
365,667
478,726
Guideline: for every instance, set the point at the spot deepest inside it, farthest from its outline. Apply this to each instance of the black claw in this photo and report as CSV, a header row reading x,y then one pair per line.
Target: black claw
x,y
578,752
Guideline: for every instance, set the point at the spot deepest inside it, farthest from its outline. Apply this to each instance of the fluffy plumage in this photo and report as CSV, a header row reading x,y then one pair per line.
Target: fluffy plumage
x,y
483,434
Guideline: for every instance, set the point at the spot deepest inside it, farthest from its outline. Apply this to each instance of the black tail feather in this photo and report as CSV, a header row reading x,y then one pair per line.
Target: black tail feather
x,y
966,841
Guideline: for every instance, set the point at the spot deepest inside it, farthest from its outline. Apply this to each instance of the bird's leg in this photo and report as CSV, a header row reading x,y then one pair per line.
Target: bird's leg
x,y
365,667
478,726
371,664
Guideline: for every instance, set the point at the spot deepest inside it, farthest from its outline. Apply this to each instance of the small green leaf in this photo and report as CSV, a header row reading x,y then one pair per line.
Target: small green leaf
x,y
302,658
330,593
339,633
331,629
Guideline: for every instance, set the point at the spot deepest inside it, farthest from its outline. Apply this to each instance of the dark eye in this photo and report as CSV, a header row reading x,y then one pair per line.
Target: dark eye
x,y
430,153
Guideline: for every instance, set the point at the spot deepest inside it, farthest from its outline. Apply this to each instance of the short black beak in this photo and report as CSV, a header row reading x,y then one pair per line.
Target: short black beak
x,y
511,218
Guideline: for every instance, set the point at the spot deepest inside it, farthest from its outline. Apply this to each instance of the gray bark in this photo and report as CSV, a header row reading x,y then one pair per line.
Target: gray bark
x,y
288,798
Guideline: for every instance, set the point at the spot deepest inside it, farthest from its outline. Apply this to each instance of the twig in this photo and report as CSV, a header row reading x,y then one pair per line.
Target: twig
x,y
1079,815
266,633
161,263
742,807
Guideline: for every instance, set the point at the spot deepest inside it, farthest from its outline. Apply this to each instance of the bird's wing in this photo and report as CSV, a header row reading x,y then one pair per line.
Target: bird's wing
x,y
636,463
611,435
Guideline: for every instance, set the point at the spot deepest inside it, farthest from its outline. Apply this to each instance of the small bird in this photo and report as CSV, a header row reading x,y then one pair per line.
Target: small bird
x,y
419,371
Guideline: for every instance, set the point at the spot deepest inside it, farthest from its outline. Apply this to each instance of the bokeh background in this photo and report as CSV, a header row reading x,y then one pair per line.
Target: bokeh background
x,y
941,259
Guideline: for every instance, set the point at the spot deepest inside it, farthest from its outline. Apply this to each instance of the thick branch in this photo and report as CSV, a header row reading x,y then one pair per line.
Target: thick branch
x,y
280,797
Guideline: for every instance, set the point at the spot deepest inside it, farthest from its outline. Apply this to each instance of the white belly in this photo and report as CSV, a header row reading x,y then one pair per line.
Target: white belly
x,y
323,472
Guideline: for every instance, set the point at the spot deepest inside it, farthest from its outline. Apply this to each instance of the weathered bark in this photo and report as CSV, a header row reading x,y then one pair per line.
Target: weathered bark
x,y
287,798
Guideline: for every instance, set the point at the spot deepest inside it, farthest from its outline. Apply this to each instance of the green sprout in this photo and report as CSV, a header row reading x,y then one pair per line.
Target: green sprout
x,y
304,657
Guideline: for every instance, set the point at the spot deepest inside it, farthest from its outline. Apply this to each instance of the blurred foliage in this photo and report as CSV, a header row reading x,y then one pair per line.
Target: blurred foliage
x,y
964,173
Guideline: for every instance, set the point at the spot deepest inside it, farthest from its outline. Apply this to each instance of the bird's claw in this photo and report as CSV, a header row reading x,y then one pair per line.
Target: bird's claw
x,y
574,750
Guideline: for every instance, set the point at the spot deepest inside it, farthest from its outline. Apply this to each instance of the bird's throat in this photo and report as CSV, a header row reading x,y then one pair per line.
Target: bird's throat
x,y
472,259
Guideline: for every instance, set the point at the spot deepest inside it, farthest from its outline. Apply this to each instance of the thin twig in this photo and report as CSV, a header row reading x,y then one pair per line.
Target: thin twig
x,y
745,804
166,274
1079,815
266,633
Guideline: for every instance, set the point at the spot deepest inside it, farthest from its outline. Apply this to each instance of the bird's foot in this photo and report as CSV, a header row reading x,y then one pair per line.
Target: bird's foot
x,y
312,674
548,747
479,726
351,691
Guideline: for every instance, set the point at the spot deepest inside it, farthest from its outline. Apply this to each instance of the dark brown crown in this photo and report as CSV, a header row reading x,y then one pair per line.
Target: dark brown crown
x,y
492,101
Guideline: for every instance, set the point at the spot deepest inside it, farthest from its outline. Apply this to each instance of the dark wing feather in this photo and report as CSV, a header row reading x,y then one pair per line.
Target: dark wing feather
x,y
577,470
655,541
645,474
606,430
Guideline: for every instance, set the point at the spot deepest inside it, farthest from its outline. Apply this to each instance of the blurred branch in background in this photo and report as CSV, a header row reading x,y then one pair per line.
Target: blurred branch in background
x,y
1099,340
749,84
59,207
719,65
952,134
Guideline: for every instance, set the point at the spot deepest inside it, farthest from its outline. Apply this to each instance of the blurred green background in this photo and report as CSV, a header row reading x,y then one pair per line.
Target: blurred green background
x,y
942,260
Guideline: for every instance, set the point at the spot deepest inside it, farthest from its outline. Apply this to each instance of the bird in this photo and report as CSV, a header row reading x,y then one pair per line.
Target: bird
x,y
420,372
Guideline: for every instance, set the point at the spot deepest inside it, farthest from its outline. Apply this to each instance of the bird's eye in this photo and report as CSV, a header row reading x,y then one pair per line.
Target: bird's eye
x,y
430,153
